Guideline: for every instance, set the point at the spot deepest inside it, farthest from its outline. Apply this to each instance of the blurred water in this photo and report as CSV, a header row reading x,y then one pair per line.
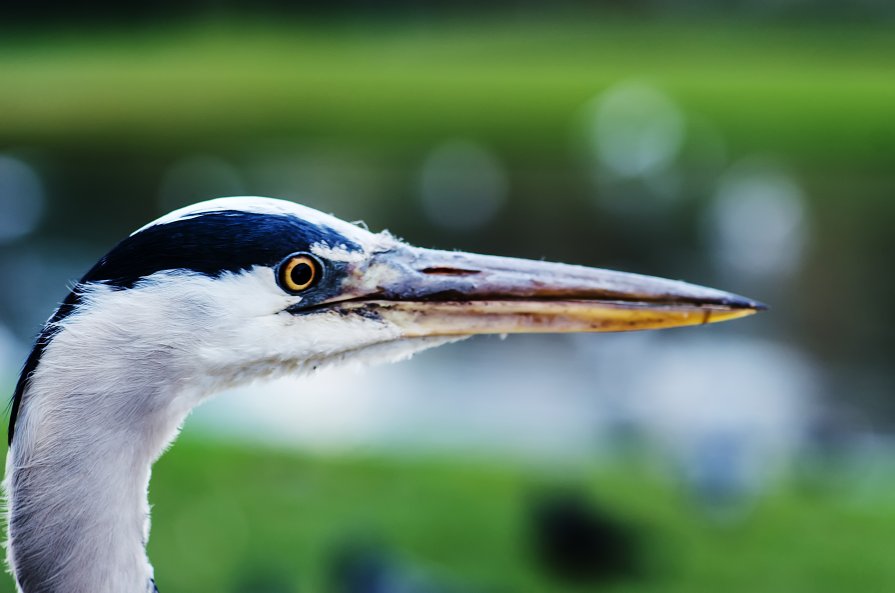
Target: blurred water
x,y
683,395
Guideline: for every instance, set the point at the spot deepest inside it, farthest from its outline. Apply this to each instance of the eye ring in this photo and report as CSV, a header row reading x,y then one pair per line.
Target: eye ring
x,y
299,272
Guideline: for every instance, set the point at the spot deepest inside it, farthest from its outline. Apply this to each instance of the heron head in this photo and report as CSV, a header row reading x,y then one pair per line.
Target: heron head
x,y
266,285
237,288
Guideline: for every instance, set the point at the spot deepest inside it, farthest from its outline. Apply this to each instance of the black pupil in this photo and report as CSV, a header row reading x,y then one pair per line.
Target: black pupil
x,y
301,274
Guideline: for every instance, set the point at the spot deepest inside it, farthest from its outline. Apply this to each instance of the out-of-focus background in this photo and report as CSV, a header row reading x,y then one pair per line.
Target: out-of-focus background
x,y
748,146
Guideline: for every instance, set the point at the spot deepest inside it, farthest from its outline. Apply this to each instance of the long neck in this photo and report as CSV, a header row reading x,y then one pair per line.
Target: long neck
x,y
76,524
78,470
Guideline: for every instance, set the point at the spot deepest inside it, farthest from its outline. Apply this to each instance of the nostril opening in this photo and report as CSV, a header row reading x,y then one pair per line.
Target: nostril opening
x,y
446,271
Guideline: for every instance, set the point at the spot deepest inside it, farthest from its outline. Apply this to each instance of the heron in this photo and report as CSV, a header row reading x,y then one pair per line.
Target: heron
x,y
233,290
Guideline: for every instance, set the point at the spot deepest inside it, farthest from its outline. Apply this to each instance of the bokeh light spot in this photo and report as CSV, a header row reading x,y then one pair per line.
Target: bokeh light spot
x,y
638,130
21,199
756,221
463,185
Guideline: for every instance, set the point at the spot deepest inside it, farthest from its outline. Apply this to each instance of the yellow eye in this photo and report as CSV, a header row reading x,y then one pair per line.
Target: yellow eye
x,y
299,272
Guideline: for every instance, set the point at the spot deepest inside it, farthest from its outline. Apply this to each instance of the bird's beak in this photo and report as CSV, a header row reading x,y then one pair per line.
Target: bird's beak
x,y
441,293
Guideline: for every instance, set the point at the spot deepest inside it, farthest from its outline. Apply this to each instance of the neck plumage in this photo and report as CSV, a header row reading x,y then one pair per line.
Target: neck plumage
x,y
78,469
78,518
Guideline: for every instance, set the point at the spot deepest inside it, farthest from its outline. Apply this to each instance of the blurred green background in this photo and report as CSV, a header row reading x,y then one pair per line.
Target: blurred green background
x,y
750,148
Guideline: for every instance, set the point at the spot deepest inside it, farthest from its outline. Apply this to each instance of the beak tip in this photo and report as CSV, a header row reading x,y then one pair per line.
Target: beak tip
x,y
739,302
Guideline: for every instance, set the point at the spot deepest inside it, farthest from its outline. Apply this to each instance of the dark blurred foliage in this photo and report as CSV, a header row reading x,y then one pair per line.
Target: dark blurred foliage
x,y
60,11
576,541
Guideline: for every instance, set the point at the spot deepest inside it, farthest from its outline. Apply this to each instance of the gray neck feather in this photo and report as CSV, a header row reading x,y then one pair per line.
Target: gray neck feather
x,y
78,470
